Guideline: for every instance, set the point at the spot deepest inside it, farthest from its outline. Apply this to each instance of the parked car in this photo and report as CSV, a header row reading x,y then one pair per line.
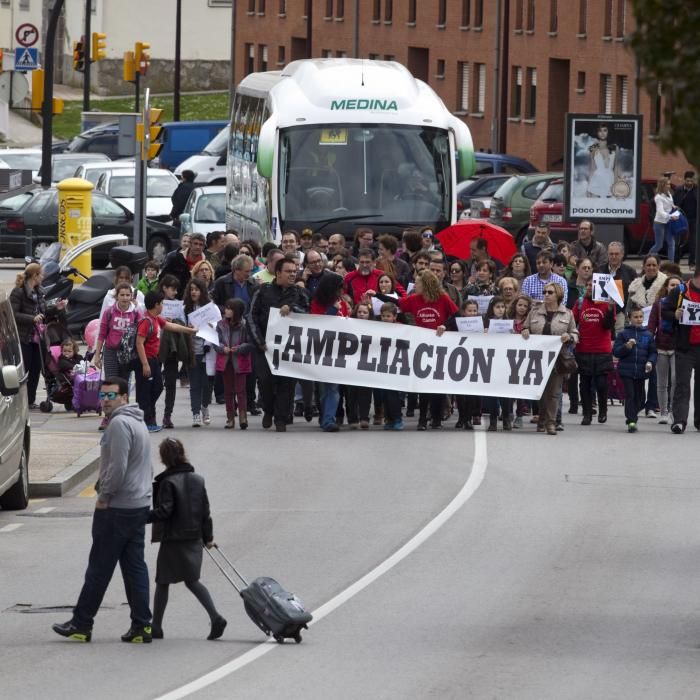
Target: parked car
x,y
160,185
40,214
205,210
22,159
208,166
91,171
476,187
15,430
490,163
102,138
64,165
510,205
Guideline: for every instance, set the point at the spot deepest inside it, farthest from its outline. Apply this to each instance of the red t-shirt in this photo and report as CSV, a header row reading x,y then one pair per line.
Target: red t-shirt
x,y
428,314
589,315
149,328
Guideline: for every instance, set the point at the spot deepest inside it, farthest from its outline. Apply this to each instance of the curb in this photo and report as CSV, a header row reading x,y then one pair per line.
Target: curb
x,y
67,478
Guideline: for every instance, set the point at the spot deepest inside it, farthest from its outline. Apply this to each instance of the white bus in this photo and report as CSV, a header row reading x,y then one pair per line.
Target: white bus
x,y
332,144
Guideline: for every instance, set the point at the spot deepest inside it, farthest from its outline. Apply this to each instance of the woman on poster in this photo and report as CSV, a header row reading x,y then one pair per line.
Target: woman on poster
x,y
603,173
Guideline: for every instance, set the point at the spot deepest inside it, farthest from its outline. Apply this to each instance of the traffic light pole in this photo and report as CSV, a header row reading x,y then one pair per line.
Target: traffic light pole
x,y
137,85
47,106
178,40
87,49
140,180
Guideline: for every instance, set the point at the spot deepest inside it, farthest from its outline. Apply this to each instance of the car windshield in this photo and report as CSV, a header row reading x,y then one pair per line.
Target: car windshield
x,y
156,186
394,174
22,161
553,193
218,145
211,209
61,169
507,187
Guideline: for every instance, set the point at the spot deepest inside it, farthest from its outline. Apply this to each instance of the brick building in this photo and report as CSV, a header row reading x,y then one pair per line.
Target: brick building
x,y
510,68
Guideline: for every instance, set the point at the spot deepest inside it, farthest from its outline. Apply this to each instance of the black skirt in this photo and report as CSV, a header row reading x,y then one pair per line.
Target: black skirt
x,y
179,561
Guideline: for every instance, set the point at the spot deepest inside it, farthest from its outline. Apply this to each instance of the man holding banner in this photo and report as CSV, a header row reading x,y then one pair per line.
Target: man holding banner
x,y
683,308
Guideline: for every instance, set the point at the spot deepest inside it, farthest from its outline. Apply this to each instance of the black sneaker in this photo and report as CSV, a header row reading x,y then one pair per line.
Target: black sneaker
x,y
72,631
678,428
217,628
254,411
156,632
422,425
267,421
138,635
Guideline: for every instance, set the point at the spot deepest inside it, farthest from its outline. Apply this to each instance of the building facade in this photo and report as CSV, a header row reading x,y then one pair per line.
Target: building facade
x,y
510,68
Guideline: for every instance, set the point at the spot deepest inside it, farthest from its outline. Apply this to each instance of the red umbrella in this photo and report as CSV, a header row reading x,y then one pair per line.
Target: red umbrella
x,y
456,239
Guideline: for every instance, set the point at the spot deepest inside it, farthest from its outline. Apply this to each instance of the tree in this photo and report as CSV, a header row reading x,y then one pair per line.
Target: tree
x,y
667,46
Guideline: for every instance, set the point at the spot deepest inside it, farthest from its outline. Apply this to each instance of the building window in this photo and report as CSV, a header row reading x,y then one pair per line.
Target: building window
x,y
340,9
23,4
480,87
374,57
656,110
388,10
250,58
553,17
376,10
581,82
608,19
530,27
606,94
518,24
463,87
329,10
621,19
326,53
411,11
622,94
281,55
341,54
282,8
251,7
442,13
582,16
262,61
531,106
261,7
516,101
466,12
389,57
440,72
478,13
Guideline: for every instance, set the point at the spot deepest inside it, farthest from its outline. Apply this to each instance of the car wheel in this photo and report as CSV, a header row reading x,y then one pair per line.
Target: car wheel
x,y
158,248
17,497
39,249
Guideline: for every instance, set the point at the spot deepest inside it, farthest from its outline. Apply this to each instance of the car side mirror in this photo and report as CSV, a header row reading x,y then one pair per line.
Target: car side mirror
x,y
9,380
185,223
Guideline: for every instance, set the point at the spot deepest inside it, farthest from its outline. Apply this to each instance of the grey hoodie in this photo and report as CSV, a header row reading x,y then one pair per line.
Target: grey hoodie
x,y
126,471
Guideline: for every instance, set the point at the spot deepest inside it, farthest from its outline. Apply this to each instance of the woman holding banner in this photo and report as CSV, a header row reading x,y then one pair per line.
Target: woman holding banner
x,y
551,318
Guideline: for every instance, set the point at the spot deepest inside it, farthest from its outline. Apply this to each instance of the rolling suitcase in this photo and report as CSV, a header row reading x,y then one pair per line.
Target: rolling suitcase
x,y
86,390
616,389
274,610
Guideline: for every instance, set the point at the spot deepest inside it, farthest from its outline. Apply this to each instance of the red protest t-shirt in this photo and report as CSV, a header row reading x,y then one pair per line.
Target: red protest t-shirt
x,y
428,314
149,328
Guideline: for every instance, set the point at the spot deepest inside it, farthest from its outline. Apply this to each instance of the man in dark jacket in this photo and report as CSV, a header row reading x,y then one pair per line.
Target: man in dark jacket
x,y
181,194
180,265
685,298
686,198
237,284
587,247
619,271
285,295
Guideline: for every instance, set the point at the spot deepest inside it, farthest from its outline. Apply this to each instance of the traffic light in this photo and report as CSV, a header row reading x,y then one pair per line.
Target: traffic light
x,y
155,133
99,46
79,55
141,57
129,67
37,89
57,105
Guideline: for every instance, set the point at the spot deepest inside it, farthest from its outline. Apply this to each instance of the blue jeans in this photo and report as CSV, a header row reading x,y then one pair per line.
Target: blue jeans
x,y
330,396
200,392
118,536
661,234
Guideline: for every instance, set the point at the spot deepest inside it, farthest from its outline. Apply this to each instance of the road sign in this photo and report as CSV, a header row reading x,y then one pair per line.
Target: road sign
x,y
26,59
27,34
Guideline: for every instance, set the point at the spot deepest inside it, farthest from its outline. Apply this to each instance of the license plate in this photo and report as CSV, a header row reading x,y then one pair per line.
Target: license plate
x,y
552,218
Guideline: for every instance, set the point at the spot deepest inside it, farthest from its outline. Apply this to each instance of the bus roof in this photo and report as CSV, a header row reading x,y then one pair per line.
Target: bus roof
x,y
347,90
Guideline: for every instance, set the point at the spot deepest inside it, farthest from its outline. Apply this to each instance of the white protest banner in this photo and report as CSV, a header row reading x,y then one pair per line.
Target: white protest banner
x,y
470,324
482,301
203,315
500,325
691,313
173,309
647,312
406,358
613,290
600,283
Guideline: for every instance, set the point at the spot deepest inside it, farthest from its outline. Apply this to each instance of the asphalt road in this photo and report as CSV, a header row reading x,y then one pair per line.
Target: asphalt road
x,y
569,571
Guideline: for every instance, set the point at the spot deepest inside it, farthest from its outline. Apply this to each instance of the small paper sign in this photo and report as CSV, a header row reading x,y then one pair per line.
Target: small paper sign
x,y
500,325
691,313
600,283
647,313
172,309
470,324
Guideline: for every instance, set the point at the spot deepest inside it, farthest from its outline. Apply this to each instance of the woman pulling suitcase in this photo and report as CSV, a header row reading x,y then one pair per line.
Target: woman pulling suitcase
x,y
181,523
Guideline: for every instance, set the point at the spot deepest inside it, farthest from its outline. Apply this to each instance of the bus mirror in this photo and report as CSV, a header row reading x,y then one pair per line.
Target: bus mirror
x,y
464,147
266,147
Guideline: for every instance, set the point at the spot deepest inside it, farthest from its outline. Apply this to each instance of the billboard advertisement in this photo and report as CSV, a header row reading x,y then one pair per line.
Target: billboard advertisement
x,y
602,168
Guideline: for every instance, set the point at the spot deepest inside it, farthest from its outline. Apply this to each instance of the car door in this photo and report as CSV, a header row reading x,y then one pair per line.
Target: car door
x,y
109,216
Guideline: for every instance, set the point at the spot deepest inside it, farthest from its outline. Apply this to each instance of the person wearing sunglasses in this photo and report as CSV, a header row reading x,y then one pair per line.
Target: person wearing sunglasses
x,y
119,521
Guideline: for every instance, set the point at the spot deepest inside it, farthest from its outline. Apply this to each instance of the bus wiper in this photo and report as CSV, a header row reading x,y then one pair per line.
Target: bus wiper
x,y
336,219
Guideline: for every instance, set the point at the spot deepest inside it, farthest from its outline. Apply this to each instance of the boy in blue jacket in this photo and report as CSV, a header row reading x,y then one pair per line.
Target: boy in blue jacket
x,y
637,352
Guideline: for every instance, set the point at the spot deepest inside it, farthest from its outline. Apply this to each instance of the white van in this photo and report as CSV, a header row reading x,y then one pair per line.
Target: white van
x,y
15,430
209,166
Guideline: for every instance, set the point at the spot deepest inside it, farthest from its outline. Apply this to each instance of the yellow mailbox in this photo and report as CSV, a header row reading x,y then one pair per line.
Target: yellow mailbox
x,y
75,219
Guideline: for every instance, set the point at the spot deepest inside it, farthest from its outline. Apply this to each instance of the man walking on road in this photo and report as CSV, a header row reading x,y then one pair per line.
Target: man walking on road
x,y
119,521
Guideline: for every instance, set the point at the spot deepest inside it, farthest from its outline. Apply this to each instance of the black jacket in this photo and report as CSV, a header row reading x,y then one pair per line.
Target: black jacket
x,y
624,273
224,290
175,264
26,306
670,304
179,198
687,200
181,511
271,296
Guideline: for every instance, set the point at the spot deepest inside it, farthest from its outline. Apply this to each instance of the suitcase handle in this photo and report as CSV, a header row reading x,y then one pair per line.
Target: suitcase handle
x,y
223,570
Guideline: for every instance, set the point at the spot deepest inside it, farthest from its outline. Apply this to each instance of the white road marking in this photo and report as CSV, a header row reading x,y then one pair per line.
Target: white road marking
x,y
10,528
476,476
43,511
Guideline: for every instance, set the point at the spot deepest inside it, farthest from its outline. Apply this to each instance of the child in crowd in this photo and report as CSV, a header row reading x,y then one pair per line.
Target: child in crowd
x,y
233,358
518,311
149,281
468,407
389,313
69,357
497,310
636,349
359,398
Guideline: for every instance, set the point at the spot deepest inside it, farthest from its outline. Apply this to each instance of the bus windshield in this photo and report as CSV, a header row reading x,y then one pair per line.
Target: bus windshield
x,y
380,173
